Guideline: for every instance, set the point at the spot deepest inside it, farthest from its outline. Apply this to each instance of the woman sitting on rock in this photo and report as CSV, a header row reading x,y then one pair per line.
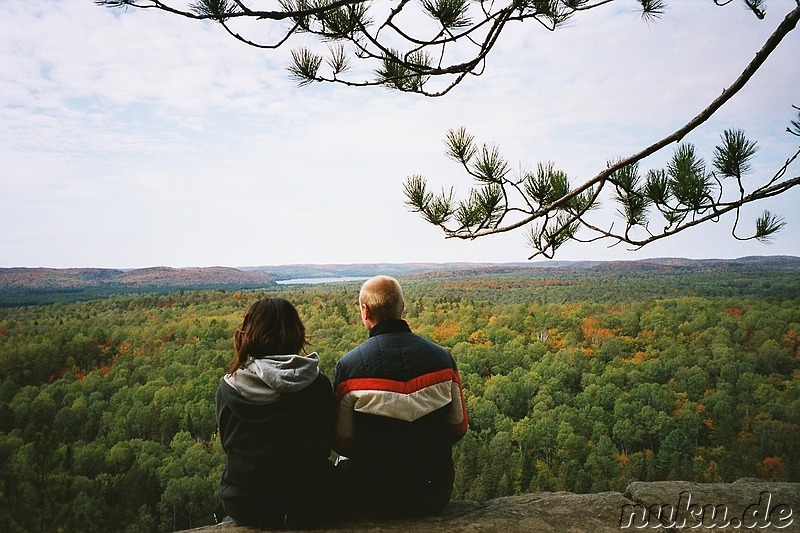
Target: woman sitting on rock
x,y
275,423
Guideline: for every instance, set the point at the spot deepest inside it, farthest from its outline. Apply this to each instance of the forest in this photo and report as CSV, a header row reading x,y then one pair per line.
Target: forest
x,y
573,383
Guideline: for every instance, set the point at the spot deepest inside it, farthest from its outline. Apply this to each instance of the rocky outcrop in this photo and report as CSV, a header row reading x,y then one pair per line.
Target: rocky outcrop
x,y
745,505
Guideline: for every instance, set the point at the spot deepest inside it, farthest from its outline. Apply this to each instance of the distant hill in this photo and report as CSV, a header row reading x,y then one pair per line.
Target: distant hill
x,y
431,270
25,286
777,263
640,267
21,286
70,278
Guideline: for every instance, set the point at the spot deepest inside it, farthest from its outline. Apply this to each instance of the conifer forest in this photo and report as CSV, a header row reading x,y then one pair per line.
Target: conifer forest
x,y
573,383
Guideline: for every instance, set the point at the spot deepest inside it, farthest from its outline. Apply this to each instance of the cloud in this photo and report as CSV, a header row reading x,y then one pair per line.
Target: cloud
x,y
137,138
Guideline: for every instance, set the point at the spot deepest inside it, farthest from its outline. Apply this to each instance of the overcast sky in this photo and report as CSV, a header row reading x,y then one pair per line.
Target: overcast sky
x,y
134,139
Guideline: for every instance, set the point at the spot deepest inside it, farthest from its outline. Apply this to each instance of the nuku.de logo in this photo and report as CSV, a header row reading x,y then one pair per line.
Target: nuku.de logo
x,y
686,514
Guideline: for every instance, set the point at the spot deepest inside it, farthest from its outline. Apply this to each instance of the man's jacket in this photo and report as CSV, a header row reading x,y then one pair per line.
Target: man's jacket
x,y
399,407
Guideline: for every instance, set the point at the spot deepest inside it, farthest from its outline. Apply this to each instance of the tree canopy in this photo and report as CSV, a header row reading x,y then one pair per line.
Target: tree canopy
x,y
575,380
428,47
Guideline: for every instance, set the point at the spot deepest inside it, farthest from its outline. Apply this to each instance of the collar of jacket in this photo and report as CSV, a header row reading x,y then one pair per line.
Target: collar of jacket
x,y
390,326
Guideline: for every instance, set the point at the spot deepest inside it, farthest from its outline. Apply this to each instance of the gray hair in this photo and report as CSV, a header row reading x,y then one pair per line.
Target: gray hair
x,y
383,296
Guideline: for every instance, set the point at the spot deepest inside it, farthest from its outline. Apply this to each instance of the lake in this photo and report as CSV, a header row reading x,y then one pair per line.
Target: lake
x,y
315,281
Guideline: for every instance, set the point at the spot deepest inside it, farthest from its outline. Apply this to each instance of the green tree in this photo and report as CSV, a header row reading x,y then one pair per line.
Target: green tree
x,y
511,394
674,459
129,445
467,466
38,465
190,480
773,356
602,465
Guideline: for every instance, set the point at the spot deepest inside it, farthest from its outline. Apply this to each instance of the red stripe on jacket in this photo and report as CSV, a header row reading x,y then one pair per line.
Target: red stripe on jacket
x,y
457,416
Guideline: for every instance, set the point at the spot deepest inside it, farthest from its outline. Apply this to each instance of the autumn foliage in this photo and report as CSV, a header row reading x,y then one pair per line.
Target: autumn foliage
x,y
107,416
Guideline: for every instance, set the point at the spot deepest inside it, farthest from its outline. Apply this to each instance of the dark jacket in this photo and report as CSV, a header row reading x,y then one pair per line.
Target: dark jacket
x,y
399,410
275,423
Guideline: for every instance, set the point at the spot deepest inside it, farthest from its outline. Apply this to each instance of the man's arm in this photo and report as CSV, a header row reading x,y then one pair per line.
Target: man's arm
x,y
459,422
344,429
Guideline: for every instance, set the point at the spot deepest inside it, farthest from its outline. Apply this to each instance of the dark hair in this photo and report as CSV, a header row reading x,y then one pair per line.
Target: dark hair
x,y
270,327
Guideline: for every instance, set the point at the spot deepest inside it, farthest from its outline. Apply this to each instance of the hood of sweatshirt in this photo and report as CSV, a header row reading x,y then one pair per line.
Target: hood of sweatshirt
x,y
266,379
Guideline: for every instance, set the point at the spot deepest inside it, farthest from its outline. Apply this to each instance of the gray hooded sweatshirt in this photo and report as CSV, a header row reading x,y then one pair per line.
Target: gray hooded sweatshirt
x,y
266,380
275,418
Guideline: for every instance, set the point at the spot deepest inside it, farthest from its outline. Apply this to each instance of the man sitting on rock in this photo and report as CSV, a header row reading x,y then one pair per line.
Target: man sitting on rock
x,y
399,410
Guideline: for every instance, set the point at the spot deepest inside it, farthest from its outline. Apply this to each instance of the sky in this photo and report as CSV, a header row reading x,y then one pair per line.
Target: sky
x,y
137,138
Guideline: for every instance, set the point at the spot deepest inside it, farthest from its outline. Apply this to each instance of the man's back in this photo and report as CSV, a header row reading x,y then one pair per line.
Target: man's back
x,y
399,411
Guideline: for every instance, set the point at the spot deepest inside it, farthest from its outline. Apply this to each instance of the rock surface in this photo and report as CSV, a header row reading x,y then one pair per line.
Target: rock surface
x,y
745,505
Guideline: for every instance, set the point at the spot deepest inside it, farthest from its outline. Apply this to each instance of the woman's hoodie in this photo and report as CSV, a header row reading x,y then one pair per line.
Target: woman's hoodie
x,y
265,380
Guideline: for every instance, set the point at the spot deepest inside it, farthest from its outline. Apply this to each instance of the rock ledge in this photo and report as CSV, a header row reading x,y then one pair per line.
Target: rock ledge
x,y
746,504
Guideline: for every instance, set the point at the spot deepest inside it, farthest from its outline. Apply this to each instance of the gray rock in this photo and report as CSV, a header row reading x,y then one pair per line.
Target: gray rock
x,y
745,505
